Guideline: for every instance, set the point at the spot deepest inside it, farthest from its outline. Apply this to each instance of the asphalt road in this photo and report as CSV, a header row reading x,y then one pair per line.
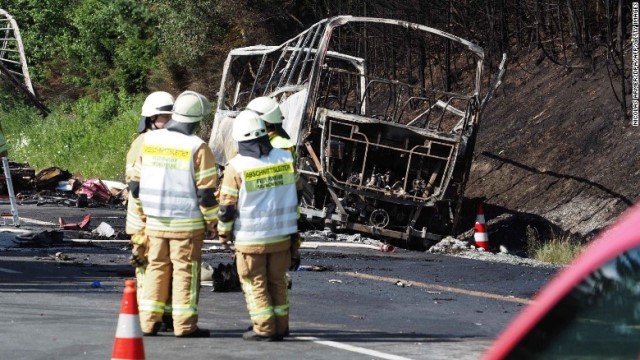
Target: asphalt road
x,y
365,305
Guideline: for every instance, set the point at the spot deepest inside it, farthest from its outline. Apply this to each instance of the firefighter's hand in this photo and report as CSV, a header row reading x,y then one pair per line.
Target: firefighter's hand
x,y
138,256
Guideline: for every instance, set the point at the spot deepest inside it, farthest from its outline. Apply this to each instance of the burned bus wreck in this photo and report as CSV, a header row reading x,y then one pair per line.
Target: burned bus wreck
x,y
384,115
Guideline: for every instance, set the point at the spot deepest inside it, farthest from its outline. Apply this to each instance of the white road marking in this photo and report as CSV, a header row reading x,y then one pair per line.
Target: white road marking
x,y
351,348
9,271
436,287
35,222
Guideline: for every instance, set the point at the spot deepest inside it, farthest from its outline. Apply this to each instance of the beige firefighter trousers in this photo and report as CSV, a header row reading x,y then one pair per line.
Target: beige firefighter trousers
x,y
265,290
179,258
140,273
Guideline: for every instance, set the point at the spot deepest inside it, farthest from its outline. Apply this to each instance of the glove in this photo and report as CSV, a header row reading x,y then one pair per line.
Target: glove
x,y
138,256
139,251
295,254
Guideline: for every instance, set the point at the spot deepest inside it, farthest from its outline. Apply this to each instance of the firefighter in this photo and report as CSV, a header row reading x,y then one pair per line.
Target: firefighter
x,y
173,184
258,212
269,111
156,111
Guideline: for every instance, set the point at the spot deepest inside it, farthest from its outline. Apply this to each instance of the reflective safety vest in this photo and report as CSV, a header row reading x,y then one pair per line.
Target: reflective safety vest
x,y
267,199
167,183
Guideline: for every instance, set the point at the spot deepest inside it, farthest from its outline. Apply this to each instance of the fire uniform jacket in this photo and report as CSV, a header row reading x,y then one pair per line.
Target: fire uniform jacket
x,y
132,155
264,218
183,204
133,205
280,142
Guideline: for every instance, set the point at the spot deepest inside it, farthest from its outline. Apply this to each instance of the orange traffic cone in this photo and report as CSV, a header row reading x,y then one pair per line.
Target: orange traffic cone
x,y
480,230
128,344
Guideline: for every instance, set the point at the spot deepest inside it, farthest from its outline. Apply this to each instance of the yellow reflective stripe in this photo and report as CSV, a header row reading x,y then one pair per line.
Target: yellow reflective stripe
x,y
227,190
192,307
247,287
211,214
185,310
195,284
281,310
199,175
134,223
225,226
263,313
265,241
173,224
134,218
152,306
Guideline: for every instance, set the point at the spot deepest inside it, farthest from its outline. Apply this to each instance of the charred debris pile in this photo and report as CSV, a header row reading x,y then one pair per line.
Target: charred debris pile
x,y
55,186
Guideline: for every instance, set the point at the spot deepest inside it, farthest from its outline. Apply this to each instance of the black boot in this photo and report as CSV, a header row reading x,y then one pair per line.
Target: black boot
x,y
253,336
167,324
154,331
199,333
218,280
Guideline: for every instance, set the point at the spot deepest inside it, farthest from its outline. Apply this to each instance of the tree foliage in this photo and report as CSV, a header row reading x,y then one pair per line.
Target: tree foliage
x,y
135,46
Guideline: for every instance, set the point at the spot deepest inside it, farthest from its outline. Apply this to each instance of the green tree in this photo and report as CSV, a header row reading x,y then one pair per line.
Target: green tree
x,y
43,25
112,44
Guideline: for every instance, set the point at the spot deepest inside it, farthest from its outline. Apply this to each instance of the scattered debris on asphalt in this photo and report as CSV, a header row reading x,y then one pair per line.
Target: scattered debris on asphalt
x,y
75,226
40,239
453,246
400,283
55,186
59,256
317,268
104,230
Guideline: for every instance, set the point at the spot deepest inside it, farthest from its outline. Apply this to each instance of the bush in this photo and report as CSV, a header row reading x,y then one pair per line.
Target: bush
x,y
90,137
557,250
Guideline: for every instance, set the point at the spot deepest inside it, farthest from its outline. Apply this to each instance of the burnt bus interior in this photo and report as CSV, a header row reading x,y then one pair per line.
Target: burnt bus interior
x,y
383,114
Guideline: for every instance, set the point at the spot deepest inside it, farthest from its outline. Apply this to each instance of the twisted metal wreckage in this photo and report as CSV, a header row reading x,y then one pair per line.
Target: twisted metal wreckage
x,y
13,62
384,114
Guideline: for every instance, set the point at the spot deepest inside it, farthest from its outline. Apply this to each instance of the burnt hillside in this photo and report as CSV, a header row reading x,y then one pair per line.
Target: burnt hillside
x,y
555,150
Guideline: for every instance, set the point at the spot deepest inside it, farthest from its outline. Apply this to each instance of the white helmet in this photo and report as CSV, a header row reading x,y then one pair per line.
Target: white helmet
x,y
248,126
190,107
159,102
267,108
